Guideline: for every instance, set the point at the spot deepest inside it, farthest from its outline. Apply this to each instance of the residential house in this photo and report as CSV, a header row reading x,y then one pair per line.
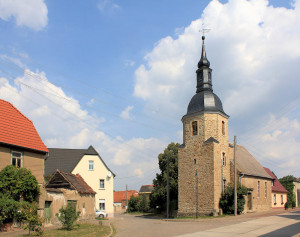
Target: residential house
x,y
66,188
120,198
279,193
91,167
146,190
21,145
297,191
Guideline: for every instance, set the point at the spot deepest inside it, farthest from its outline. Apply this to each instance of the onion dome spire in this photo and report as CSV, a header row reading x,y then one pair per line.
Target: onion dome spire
x,y
203,60
203,72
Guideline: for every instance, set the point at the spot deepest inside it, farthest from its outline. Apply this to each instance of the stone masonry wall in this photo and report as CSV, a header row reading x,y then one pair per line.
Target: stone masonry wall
x,y
206,158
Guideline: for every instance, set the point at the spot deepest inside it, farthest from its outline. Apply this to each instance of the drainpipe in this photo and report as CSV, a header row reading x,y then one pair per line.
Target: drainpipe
x,y
241,176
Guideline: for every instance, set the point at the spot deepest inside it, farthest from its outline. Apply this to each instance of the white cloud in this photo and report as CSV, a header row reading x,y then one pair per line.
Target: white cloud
x,y
29,13
125,114
249,45
129,63
138,172
108,6
62,122
277,145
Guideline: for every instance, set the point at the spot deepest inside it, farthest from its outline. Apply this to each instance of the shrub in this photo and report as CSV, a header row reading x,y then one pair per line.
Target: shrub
x,y
8,208
139,203
286,205
293,204
227,199
28,215
67,216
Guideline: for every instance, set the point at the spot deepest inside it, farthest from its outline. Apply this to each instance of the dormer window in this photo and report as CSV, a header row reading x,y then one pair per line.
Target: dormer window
x,y
16,159
195,128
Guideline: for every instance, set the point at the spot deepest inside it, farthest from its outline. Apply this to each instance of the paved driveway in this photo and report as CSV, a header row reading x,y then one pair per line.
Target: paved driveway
x,y
271,223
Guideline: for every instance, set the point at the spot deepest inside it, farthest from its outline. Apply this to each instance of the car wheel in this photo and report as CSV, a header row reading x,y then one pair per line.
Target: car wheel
x,y
101,216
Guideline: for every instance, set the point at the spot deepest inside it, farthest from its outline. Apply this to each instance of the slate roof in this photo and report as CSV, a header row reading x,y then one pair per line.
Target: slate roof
x,y
277,186
18,130
119,196
146,188
248,165
75,182
67,159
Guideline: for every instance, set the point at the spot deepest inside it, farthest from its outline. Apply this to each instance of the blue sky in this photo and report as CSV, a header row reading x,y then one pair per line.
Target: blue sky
x,y
119,75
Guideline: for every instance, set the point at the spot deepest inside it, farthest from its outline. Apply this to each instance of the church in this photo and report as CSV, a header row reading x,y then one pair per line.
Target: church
x,y
205,159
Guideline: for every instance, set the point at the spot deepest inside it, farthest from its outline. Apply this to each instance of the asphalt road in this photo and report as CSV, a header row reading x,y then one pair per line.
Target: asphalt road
x,y
270,223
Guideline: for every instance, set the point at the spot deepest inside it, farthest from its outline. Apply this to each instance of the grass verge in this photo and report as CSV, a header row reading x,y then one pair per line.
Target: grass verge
x,y
80,230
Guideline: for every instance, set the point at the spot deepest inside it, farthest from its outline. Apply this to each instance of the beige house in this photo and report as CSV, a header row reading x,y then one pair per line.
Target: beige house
x,y
21,145
65,188
205,157
279,193
91,167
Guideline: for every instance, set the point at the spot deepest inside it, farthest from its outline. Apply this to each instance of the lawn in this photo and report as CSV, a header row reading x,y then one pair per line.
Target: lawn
x,y
80,230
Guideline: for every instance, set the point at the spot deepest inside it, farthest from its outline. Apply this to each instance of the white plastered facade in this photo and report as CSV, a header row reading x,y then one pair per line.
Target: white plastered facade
x,y
93,177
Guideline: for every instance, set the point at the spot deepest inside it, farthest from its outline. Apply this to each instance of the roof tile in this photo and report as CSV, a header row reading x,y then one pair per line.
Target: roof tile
x,y
18,130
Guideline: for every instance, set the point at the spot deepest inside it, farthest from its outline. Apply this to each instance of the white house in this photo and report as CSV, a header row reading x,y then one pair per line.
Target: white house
x,y
91,167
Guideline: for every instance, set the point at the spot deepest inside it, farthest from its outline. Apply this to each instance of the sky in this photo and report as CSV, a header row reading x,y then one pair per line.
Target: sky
x,y
119,75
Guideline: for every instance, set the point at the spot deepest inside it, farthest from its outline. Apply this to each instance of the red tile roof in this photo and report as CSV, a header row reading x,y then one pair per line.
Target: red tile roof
x,y
277,187
18,130
121,195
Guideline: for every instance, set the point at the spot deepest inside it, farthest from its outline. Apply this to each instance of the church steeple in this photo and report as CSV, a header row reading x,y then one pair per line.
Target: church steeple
x,y
204,72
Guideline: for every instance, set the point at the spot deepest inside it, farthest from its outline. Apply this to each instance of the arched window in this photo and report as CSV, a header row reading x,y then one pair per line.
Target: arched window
x,y
223,159
223,127
195,128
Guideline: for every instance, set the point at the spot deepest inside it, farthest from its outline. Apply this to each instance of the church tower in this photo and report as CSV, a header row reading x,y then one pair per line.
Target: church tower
x,y
203,158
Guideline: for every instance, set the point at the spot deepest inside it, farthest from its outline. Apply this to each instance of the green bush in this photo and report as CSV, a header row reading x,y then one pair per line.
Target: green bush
x,y
227,199
293,204
67,216
28,215
138,204
286,205
8,209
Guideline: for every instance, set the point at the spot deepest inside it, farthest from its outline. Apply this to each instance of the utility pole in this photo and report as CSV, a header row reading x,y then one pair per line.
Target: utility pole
x,y
168,188
196,194
235,184
126,198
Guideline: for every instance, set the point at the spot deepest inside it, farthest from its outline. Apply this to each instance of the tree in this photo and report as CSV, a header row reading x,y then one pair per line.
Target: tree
x,y
287,182
227,199
17,186
158,196
67,216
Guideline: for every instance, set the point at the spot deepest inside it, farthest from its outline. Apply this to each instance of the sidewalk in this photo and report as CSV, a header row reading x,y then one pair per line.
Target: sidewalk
x,y
286,224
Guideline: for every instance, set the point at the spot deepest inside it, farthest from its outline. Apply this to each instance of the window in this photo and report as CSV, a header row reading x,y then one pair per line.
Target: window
x,y
195,128
223,159
195,161
91,165
16,158
275,199
72,203
101,183
223,127
265,189
281,199
101,204
223,185
258,184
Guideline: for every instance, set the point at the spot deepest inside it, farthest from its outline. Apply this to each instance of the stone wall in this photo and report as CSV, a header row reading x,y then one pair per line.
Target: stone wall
x,y
205,158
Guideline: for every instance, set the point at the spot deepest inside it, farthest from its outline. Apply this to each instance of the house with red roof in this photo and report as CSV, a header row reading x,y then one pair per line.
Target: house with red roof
x,y
279,193
20,144
120,199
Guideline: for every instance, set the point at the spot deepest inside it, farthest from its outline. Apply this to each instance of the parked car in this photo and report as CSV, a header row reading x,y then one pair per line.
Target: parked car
x,y
101,214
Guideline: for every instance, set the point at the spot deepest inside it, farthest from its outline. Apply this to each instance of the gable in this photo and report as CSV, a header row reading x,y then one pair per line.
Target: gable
x,y
18,130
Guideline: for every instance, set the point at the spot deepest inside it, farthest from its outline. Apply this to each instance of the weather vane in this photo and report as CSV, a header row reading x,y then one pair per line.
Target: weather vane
x,y
204,30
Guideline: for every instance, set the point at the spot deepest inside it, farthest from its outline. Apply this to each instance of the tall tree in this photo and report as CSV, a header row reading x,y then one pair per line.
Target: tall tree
x,y
158,196
287,182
